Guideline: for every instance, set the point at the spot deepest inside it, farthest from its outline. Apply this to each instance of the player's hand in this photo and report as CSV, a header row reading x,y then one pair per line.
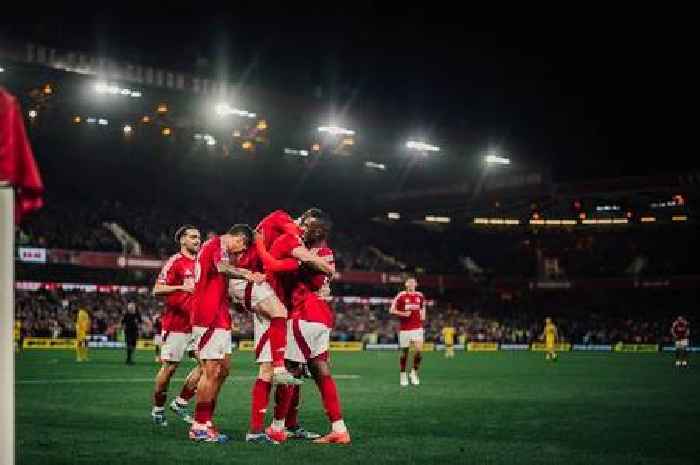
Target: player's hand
x,y
257,278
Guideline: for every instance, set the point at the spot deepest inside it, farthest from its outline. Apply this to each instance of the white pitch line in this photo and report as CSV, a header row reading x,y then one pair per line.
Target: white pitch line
x,y
136,380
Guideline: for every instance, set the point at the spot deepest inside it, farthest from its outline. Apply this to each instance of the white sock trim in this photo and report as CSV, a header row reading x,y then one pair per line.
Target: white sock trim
x,y
278,424
338,426
157,410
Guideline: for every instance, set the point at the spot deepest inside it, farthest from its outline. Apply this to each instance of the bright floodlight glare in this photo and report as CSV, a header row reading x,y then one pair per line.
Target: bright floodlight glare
x,y
2,70
376,166
437,219
299,153
32,113
127,129
336,130
393,215
91,120
102,122
496,160
421,146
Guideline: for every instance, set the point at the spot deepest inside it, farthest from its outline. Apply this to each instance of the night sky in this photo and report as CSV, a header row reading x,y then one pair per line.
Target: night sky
x,y
587,93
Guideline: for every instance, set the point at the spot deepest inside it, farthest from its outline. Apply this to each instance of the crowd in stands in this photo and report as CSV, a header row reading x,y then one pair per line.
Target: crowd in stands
x,y
487,317
372,246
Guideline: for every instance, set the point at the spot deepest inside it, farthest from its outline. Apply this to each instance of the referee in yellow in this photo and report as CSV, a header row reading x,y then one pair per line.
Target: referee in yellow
x,y
448,339
82,328
550,338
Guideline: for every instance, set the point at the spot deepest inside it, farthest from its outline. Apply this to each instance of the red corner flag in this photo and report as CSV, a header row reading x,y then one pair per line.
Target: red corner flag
x,y
17,163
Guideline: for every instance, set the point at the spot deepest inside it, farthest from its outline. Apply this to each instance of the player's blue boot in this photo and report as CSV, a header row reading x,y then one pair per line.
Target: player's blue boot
x,y
159,419
210,434
259,438
299,432
181,411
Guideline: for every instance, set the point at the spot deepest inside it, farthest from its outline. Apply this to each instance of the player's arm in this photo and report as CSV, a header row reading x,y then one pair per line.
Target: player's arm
x,y
240,273
394,310
270,263
165,289
304,255
422,310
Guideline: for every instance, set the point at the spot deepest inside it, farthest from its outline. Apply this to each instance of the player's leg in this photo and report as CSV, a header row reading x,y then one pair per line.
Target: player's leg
x,y
78,352
260,398
214,351
189,387
417,358
160,393
272,308
404,344
320,370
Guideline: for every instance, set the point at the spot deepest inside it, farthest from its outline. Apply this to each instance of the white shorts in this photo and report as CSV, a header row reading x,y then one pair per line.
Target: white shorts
x,y
174,345
682,344
306,340
407,337
248,294
157,339
261,337
211,344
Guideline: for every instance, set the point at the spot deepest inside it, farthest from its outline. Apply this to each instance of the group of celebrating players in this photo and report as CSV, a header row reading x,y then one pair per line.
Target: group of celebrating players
x,y
280,273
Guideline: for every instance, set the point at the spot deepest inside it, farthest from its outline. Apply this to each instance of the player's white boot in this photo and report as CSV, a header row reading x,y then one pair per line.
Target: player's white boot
x,y
678,363
414,378
404,379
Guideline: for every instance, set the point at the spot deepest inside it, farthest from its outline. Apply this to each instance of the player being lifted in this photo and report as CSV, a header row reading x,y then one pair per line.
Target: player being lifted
x,y
310,325
409,306
551,335
211,322
680,330
280,263
176,284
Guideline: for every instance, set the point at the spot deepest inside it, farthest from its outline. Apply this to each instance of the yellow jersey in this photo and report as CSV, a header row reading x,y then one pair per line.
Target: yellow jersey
x,y
448,335
82,324
17,330
550,333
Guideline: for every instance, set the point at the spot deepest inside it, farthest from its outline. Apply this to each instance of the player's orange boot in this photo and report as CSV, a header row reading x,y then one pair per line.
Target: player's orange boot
x,y
334,438
278,435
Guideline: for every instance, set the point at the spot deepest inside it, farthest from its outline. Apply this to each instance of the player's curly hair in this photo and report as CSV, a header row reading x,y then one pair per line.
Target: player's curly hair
x,y
181,230
242,230
319,228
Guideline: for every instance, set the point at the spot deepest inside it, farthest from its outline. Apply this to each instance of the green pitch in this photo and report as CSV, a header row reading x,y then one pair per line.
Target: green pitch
x,y
483,408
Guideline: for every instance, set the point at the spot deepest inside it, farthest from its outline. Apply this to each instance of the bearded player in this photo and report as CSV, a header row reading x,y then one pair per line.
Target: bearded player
x,y
409,306
309,328
211,322
680,330
280,264
176,283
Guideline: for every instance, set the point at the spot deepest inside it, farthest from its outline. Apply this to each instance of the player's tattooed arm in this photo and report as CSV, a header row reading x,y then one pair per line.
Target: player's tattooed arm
x,y
240,273
306,256
165,289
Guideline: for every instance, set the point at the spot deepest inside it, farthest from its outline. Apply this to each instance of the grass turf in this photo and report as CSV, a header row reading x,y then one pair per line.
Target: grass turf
x,y
481,408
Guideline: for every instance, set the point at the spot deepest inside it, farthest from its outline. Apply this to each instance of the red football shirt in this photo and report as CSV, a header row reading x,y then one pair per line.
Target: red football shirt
x,y
274,225
283,282
306,303
680,329
413,302
210,302
175,272
250,260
